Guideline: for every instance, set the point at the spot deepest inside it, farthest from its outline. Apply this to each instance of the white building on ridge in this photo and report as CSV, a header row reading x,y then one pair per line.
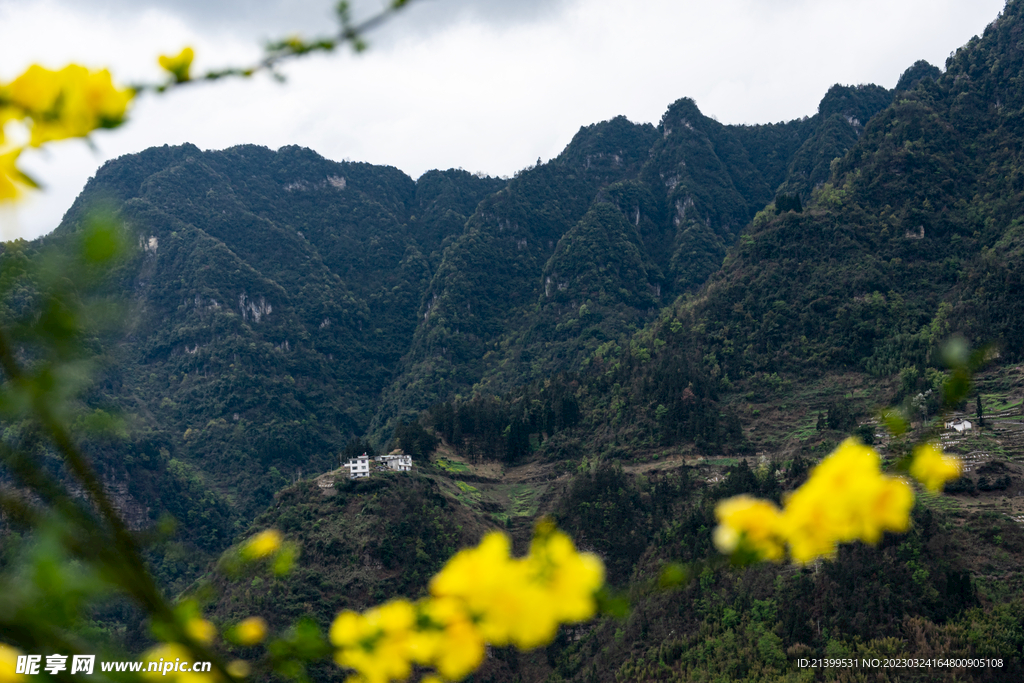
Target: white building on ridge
x,y
396,461
358,467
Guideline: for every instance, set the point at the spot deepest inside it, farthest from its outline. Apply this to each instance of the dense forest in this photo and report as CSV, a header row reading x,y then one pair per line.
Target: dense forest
x,y
655,319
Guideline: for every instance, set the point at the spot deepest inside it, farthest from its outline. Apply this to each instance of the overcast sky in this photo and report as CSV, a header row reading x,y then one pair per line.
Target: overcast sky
x,y
485,85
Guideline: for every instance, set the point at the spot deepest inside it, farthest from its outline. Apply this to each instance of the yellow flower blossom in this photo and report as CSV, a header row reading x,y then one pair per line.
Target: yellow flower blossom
x,y
201,630
36,91
846,498
506,606
348,629
451,644
178,65
68,103
460,652
755,521
262,545
239,668
890,507
933,468
250,631
12,180
9,665
55,105
570,577
482,596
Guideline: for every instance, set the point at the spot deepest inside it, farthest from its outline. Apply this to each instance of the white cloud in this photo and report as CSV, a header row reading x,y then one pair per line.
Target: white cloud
x,y
487,86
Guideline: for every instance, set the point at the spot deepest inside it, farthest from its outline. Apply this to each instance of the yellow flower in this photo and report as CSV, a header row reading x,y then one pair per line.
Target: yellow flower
x,y
462,652
890,508
459,648
349,628
9,664
483,595
12,180
380,644
201,630
846,498
178,65
68,103
239,668
497,592
746,518
95,101
250,631
35,91
933,468
396,616
572,578
262,545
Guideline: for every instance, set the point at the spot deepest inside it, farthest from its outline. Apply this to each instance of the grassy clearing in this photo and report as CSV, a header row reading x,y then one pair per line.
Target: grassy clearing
x,y
522,501
806,430
469,494
938,501
997,404
452,466
723,462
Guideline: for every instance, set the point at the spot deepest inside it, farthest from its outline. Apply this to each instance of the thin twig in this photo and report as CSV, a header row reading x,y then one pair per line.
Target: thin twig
x,y
282,50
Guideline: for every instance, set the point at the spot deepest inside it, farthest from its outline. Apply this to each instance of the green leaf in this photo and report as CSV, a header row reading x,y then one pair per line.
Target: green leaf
x,y
102,240
284,560
612,604
895,422
674,574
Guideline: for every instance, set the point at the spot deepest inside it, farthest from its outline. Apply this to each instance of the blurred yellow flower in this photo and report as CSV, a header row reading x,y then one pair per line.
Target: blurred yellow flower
x,y
201,630
178,65
9,664
68,103
262,545
482,596
747,518
571,576
890,508
55,105
348,629
933,468
451,644
239,668
846,498
460,652
12,181
36,91
492,586
377,644
250,631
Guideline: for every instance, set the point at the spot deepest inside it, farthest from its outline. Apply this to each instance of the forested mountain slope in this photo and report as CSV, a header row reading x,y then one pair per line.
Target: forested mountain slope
x,y
279,304
266,299
887,260
546,272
